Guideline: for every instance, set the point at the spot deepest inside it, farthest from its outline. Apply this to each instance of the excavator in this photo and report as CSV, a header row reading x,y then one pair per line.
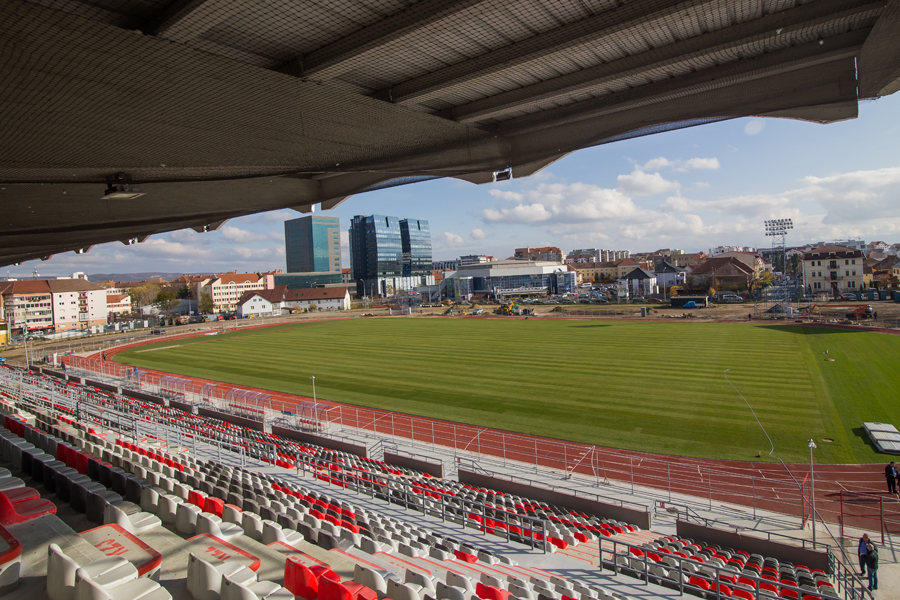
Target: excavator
x,y
508,308
859,312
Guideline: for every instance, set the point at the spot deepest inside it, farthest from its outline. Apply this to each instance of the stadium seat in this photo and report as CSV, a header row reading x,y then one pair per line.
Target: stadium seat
x,y
213,525
489,592
139,589
303,581
136,524
61,572
204,580
252,525
186,518
23,510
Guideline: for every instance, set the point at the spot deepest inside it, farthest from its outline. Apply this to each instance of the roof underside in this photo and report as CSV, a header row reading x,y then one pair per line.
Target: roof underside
x,y
221,108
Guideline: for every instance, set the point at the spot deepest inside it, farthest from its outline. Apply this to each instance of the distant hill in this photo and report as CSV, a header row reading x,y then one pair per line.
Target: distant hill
x,y
98,277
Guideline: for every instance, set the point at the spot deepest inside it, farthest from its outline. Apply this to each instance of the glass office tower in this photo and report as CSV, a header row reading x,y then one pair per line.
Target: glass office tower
x,y
313,244
416,239
387,254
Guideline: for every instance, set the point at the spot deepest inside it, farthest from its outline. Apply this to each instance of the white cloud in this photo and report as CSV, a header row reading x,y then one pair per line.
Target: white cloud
x,y
856,197
451,240
861,203
242,236
655,164
506,195
477,234
189,236
522,213
639,183
754,126
701,184
702,163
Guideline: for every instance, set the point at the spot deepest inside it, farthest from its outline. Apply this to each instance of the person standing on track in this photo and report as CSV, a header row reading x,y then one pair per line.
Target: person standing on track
x,y
872,563
863,552
890,474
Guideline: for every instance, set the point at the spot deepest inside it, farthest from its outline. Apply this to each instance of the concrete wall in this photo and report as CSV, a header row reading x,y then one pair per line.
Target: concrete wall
x,y
101,386
51,372
586,505
318,440
184,406
433,469
146,397
814,559
233,419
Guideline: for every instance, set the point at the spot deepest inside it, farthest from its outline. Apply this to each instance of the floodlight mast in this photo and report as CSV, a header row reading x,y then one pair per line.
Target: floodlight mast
x,y
778,228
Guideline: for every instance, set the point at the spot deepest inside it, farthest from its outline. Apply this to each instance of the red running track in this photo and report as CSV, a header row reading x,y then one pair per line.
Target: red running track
x,y
759,485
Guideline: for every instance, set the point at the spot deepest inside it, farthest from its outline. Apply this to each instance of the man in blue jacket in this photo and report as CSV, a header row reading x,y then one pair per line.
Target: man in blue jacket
x,y
863,552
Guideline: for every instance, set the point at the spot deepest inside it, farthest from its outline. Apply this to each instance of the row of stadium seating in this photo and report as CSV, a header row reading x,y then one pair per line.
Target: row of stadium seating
x,y
659,560
395,536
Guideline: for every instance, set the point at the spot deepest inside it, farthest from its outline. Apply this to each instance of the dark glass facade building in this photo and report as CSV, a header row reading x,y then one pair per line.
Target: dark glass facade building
x,y
298,281
387,253
416,239
312,244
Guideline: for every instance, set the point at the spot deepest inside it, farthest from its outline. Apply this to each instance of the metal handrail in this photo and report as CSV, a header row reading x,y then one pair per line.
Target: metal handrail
x,y
850,592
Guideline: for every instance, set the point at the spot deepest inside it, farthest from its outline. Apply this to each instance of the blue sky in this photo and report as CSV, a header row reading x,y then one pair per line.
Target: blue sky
x,y
692,189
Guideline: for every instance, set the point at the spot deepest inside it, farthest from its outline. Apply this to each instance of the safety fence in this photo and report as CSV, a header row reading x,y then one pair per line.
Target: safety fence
x,y
712,581
872,512
602,465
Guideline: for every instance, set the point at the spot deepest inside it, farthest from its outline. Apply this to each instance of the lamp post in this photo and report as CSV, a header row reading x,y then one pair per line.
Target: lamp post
x,y
315,407
778,228
812,490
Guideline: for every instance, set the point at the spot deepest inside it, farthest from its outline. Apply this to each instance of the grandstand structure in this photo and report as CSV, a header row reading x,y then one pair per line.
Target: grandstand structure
x,y
138,498
122,120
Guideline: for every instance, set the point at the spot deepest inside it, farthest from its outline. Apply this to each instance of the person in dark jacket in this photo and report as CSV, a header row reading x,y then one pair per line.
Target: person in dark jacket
x,y
863,551
890,474
872,563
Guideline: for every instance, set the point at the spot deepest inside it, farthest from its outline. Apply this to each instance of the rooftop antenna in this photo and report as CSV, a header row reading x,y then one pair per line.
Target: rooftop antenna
x,y
34,273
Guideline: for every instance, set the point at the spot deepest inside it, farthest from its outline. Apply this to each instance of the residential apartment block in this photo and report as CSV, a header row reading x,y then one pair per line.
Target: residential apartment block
x,y
118,304
547,253
228,288
53,304
833,269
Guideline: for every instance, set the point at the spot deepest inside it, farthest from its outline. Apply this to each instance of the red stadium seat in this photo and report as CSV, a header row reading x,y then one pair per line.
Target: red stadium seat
x,y
465,556
743,594
213,505
13,513
698,582
489,592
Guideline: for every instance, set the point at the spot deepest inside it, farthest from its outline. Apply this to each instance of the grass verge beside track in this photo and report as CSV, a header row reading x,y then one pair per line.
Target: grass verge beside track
x,y
652,386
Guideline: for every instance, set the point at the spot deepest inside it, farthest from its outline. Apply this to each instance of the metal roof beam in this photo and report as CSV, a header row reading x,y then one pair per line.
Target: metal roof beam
x,y
789,59
335,58
184,20
819,88
879,58
770,27
623,17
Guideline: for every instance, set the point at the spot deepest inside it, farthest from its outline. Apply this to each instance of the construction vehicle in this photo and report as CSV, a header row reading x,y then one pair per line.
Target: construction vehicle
x,y
859,312
508,308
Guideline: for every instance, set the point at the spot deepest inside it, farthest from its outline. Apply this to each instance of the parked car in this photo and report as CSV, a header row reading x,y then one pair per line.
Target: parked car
x,y
157,332
478,311
848,296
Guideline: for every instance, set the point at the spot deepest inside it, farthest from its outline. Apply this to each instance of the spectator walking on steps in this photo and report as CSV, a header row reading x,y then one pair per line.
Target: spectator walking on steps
x,y
872,564
863,552
890,474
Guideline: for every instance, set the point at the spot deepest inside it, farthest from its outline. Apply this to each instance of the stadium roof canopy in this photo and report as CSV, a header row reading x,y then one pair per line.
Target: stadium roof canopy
x,y
221,108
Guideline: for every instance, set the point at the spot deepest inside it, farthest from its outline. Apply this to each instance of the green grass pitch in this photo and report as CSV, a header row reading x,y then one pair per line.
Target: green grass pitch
x,y
650,386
